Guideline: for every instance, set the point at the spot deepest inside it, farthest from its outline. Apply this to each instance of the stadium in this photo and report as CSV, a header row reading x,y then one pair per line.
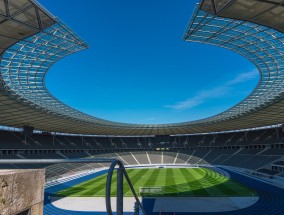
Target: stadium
x,y
55,159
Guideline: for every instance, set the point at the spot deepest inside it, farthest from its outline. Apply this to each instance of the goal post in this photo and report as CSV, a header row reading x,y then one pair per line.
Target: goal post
x,y
150,190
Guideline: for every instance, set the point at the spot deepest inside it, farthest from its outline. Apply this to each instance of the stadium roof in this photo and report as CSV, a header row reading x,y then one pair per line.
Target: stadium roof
x,y
32,40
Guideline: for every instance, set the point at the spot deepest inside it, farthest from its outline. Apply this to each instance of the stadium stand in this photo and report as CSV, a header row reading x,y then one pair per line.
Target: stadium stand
x,y
249,156
248,135
142,158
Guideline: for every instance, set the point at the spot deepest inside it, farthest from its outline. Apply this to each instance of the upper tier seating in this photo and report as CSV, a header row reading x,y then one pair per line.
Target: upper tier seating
x,y
16,140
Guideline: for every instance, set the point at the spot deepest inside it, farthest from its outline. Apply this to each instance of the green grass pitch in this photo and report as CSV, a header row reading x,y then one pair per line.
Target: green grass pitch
x,y
197,182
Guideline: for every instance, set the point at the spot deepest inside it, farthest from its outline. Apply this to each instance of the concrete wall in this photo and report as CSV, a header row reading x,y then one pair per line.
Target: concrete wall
x,y
21,190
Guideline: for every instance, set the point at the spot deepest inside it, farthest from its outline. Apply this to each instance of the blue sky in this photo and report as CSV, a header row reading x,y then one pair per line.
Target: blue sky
x,y
138,69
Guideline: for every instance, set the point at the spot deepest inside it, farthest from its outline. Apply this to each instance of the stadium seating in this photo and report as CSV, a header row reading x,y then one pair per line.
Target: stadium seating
x,y
142,158
256,149
268,171
16,140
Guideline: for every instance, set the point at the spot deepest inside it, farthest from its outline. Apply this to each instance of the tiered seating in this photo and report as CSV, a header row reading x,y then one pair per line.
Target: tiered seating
x,y
11,140
274,152
181,158
103,142
43,141
169,157
250,151
195,157
214,154
281,163
141,158
195,140
193,160
127,143
277,166
258,161
155,158
75,155
220,159
244,149
199,153
272,136
16,140
249,161
127,156
90,143
268,171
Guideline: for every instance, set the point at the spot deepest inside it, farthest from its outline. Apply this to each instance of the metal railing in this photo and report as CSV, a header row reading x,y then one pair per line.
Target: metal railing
x,y
120,173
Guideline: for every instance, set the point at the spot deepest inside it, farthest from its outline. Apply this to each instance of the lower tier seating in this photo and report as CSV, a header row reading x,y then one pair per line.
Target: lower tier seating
x,y
228,157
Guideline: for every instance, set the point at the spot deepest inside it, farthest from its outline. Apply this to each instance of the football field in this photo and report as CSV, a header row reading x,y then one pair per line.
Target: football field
x,y
183,182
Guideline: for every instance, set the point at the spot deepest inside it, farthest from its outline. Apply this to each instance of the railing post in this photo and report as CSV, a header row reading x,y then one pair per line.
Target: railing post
x,y
119,196
108,187
136,208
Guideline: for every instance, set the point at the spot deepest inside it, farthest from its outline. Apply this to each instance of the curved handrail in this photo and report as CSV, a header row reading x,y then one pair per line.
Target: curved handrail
x,y
108,186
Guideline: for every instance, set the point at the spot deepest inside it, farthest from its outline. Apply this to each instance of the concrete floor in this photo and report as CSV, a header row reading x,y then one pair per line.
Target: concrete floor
x,y
164,204
91,203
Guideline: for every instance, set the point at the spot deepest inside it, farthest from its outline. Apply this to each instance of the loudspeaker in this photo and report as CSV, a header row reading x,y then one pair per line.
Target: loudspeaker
x,y
28,130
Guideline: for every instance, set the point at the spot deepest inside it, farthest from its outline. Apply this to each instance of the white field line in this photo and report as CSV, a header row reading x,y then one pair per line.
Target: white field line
x,y
134,158
148,158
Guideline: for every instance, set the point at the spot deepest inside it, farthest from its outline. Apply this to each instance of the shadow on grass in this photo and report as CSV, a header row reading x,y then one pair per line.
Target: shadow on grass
x,y
219,190
211,185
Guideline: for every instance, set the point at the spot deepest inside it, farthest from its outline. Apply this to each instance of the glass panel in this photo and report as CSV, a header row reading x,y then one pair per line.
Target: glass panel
x,y
15,30
1,19
276,1
17,5
29,17
2,7
207,6
45,20
246,9
6,42
273,18
219,4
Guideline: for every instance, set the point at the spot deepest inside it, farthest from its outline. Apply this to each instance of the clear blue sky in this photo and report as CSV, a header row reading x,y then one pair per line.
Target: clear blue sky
x,y
138,69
